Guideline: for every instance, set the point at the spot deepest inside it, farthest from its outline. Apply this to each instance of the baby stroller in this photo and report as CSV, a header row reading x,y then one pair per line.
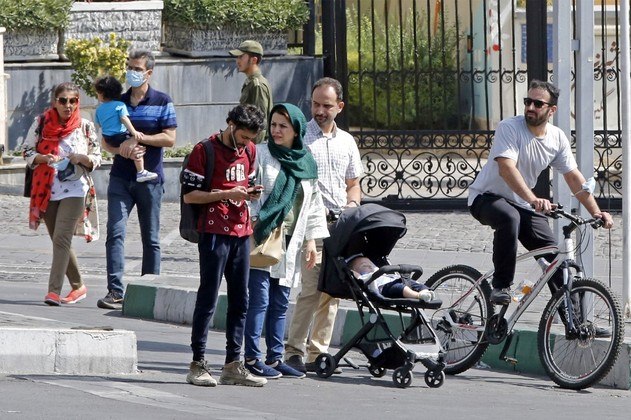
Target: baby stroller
x,y
372,231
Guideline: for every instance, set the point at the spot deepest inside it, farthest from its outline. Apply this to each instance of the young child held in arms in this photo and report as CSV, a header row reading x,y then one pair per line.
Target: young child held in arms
x,y
389,285
113,117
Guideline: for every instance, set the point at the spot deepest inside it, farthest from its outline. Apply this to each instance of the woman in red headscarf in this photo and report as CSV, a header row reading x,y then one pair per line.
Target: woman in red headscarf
x,y
63,151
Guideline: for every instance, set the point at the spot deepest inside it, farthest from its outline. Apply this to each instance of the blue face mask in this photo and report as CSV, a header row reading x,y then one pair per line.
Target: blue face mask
x,y
135,78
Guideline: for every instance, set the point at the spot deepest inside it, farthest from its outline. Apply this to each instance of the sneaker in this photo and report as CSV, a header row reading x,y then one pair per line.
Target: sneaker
x,y
75,295
112,300
500,296
296,363
601,332
311,367
52,299
426,295
258,368
199,374
145,176
234,373
286,370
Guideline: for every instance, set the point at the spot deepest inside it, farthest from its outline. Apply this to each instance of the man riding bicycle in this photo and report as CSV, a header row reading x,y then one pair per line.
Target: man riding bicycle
x,y
501,195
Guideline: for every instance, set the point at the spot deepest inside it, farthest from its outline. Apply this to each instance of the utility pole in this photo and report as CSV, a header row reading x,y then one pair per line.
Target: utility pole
x,y
537,63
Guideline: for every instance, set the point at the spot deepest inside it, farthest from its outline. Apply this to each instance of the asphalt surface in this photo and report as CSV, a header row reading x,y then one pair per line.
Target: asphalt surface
x,y
159,391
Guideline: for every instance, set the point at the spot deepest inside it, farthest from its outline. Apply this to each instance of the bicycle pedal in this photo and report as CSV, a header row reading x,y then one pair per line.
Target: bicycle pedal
x,y
511,360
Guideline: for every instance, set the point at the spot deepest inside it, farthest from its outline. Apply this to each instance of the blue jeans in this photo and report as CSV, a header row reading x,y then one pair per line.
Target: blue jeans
x,y
267,306
221,255
122,196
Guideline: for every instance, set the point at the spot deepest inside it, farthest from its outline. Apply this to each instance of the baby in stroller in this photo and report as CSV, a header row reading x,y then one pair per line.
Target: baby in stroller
x,y
355,266
390,286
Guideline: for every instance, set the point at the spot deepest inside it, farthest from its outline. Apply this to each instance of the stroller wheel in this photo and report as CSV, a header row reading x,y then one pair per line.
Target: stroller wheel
x,y
434,378
402,377
377,372
325,365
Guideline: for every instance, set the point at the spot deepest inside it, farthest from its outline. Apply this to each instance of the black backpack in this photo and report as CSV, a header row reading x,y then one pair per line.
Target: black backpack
x,y
189,213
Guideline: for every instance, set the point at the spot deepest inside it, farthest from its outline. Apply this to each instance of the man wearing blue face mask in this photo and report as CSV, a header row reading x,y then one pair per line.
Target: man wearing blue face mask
x,y
152,113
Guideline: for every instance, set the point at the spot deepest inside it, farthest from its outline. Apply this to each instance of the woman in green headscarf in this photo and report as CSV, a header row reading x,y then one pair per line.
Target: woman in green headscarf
x,y
290,198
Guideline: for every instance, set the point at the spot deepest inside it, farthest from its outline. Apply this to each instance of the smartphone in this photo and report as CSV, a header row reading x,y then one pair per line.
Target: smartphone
x,y
256,189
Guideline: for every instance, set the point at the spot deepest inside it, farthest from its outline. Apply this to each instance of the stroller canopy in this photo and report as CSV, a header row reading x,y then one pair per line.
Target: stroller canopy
x,y
369,229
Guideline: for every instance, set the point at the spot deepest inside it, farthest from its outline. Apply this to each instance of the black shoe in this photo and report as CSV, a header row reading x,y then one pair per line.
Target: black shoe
x,y
296,362
311,367
500,296
601,332
112,300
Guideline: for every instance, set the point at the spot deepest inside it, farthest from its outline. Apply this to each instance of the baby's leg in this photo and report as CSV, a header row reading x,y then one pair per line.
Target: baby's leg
x,y
419,291
140,164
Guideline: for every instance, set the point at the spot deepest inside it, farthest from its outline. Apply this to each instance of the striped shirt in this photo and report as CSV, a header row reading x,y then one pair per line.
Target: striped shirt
x,y
152,115
338,160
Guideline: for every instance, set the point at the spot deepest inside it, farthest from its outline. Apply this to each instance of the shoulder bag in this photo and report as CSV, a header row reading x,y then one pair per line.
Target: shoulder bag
x,y
270,251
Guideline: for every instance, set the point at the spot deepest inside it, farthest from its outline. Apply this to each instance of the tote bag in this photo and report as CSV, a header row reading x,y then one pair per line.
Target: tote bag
x,y
269,252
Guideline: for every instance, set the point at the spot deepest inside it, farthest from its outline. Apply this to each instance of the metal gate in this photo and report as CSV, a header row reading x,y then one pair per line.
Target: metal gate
x,y
427,81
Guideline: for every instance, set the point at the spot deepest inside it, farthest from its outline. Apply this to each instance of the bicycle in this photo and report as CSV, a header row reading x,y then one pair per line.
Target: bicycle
x,y
570,351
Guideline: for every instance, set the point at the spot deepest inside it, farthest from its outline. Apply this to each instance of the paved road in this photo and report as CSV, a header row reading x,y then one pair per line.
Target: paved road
x,y
158,392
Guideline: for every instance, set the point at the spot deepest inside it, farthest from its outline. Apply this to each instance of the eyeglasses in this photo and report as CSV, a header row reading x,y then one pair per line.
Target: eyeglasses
x,y
64,101
538,104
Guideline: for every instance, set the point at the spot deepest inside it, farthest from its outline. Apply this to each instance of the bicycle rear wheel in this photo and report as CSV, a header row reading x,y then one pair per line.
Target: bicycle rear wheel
x,y
580,360
461,321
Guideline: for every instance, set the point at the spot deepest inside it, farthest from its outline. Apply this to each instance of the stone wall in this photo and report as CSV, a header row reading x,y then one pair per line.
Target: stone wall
x,y
192,42
138,21
31,44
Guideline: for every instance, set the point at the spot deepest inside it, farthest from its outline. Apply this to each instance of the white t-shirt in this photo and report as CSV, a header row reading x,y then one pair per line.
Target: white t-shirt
x,y
513,140
75,188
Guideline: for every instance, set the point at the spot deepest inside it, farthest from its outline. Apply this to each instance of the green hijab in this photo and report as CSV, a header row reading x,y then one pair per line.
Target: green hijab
x,y
296,164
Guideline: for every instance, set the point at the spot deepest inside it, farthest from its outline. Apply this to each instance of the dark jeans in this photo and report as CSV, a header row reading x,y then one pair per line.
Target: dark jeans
x,y
122,197
394,289
512,223
221,255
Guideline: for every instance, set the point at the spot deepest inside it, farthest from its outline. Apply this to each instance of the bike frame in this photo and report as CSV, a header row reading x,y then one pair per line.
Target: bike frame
x,y
564,260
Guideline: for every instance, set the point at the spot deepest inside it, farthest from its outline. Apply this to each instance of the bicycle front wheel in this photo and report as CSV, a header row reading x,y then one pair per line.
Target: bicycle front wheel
x,y
461,321
580,359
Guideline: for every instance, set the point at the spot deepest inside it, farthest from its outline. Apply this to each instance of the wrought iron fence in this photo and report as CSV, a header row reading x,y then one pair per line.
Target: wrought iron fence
x,y
426,83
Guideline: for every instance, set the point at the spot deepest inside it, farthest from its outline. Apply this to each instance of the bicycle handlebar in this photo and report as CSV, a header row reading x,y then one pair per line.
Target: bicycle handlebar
x,y
557,212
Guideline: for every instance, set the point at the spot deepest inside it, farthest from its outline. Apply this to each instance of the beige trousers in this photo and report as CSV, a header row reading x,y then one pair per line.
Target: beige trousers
x,y
61,219
311,305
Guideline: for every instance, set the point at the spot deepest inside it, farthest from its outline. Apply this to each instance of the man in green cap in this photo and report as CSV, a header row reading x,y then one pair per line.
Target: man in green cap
x,y
255,90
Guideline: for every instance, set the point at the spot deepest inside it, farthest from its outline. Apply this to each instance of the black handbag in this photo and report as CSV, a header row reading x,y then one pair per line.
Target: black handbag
x,y
28,181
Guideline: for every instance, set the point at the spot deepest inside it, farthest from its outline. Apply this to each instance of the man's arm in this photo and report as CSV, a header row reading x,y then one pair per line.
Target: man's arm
x,y
237,193
575,181
164,139
353,192
510,174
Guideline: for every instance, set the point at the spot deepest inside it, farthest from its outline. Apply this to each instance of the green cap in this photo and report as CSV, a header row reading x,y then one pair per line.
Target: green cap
x,y
248,46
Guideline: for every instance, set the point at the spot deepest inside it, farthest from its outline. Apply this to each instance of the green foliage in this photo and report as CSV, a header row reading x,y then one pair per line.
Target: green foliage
x,y
404,85
267,15
41,14
92,58
175,152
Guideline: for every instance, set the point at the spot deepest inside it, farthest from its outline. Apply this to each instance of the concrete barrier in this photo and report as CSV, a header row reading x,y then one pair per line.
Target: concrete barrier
x,y
67,351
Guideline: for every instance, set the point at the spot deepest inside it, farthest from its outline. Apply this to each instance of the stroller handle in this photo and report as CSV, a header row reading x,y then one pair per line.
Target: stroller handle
x,y
414,271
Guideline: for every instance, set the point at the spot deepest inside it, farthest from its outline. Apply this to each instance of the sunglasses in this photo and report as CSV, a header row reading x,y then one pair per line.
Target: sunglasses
x,y
64,101
538,104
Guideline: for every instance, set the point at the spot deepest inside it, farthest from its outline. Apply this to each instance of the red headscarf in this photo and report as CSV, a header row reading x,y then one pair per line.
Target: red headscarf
x,y
53,131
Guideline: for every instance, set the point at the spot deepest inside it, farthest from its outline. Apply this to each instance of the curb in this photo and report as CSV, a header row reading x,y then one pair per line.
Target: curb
x,y
67,351
174,304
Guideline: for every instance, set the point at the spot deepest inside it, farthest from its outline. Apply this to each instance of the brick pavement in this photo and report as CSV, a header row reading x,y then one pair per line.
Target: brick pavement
x,y
431,230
